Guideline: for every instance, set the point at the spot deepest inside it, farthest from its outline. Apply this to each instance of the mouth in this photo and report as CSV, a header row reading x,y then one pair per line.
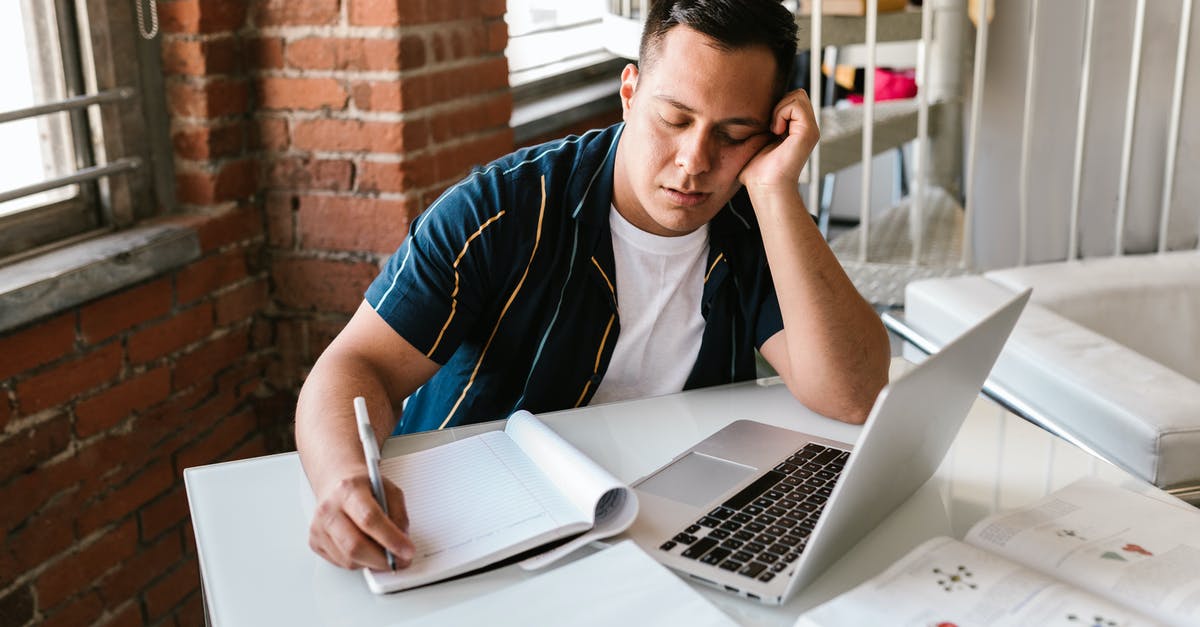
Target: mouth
x,y
685,198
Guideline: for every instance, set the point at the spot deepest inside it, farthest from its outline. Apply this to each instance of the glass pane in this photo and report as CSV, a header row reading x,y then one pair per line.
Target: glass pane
x,y
35,149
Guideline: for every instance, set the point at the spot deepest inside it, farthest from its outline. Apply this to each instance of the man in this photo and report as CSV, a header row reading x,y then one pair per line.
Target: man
x,y
646,258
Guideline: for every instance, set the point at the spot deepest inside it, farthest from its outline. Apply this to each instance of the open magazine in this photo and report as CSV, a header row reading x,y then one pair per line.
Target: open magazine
x,y
1088,554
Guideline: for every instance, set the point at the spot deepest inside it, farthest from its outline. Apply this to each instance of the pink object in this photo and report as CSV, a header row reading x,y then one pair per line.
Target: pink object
x,y
891,85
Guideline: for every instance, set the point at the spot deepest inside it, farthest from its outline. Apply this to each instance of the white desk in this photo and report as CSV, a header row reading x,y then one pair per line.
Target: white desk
x,y
251,517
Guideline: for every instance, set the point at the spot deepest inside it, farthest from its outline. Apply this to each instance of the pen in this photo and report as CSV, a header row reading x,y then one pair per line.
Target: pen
x,y
371,451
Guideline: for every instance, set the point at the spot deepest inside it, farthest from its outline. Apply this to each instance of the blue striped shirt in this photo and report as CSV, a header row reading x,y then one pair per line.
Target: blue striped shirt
x,y
507,282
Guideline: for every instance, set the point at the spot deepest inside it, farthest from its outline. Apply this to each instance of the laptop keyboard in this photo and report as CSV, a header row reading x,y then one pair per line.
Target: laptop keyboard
x,y
763,528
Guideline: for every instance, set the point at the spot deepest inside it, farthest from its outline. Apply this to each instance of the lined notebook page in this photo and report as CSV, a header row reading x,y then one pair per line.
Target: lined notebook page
x,y
469,498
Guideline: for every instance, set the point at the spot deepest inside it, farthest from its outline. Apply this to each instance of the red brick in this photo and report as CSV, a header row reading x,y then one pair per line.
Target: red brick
x,y
295,12
125,500
254,447
5,409
394,176
17,606
105,318
386,12
209,274
40,539
320,284
36,345
163,595
309,173
82,611
209,142
210,358
266,53
209,99
300,93
493,8
172,334
29,447
356,135
452,163
140,569
357,54
240,224
497,36
113,405
165,512
189,57
382,95
78,570
272,133
241,302
69,379
487,113
233,180
351,223
190,613
280,219
201,16
218,442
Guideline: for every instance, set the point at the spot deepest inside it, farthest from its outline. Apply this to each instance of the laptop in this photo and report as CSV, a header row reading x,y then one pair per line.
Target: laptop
x,y
761,511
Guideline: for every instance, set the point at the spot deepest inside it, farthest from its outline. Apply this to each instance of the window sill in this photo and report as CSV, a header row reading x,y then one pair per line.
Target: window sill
x,y
67,277
540,116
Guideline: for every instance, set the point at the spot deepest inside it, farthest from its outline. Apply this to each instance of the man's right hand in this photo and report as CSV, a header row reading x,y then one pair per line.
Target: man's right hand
x,y
349,528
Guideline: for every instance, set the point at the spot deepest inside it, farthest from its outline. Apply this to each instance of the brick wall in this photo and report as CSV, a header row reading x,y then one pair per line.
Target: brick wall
x,y
306,133
368,109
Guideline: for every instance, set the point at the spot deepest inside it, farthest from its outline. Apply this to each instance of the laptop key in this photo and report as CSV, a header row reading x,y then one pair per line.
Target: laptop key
x,y
684,538
732,544
773,494
742,556
667,546
692,529
813,465
776,511
778,566
715,556
828,455
826,491
700,547
766,519
776,530
743,535
721,513
753,510
729,525
751,492
755,547
708,521
769,558
767,576
787,523
741,518
755,527
719,534
760,502
792,481
779,548
786,467
752,569
766,539
730,565
826,474
791,540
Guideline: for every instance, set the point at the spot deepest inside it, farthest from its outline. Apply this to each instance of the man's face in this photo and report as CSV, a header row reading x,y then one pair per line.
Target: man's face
x,y
693,120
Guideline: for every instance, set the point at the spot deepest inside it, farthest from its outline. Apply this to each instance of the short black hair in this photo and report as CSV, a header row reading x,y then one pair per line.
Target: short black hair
x,y
732,24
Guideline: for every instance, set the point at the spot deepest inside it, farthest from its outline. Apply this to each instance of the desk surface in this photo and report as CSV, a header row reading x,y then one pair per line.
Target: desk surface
x,y
251,517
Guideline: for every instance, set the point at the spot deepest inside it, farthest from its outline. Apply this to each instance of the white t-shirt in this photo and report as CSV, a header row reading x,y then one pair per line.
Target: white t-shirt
x,y
660,281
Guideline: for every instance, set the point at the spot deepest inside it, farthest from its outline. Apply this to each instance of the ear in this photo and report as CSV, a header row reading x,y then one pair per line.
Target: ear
x,y
629,78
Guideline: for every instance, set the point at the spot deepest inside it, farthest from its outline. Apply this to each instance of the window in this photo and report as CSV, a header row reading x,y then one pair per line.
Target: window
x,y
82,122
553,37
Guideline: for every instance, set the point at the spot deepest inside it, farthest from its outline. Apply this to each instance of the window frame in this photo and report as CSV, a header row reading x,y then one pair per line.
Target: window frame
x,y
122,144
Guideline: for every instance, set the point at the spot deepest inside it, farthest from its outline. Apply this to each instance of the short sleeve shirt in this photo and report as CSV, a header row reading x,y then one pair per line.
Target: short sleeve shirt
x,y
507,282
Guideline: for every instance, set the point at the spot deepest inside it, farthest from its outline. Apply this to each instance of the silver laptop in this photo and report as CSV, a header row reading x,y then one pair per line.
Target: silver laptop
x,y
760,511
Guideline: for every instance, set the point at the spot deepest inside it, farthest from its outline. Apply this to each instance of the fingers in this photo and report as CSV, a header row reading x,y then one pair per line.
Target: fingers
x,y
794,114
350,530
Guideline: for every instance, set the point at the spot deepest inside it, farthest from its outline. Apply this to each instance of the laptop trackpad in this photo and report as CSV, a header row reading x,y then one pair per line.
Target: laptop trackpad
x,y
696,479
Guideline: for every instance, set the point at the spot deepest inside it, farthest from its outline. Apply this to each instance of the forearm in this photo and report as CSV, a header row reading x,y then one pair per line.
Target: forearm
x,y
326,431
836,347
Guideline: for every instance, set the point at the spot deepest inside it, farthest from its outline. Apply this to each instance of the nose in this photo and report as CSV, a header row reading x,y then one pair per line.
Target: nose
x,y
693,154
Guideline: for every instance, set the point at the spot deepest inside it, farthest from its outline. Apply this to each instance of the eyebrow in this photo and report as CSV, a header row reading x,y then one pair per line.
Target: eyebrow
x,y
754,123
